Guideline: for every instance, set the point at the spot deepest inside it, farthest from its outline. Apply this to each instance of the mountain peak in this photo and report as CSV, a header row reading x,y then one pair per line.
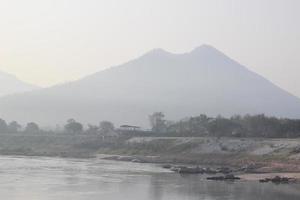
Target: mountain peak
x,y
7,75
10,84
205,48
157,52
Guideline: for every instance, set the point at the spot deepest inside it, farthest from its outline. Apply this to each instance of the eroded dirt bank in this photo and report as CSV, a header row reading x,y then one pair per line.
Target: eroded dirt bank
x,y
258,154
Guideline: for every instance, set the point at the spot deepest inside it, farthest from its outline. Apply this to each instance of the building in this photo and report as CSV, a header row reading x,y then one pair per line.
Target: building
x,y
129,128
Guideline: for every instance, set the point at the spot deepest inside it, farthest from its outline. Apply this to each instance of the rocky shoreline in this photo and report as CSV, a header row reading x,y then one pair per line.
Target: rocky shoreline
x,y
221,173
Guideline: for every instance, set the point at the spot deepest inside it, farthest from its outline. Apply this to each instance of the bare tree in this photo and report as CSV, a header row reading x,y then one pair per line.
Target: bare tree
x,y
157,122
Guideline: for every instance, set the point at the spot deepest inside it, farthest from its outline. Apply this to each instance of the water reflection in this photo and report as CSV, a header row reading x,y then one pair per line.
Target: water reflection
x,y
55,178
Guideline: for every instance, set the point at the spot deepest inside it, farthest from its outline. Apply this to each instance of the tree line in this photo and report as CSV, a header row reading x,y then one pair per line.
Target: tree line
x,y
202,125
71,127
236,126
15,127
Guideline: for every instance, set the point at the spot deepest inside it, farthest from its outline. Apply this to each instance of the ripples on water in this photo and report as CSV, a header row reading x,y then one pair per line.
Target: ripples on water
x,y
36,178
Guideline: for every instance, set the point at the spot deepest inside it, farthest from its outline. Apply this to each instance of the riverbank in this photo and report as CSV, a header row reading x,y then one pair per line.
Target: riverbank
x,y
50,145
255,155
216,172
257,177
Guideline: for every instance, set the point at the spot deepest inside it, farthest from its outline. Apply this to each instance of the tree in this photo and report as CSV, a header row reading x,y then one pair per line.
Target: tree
x,y
32,127
73,127
14,127
157,122
198,125
92,129
221,126
3,126
106,126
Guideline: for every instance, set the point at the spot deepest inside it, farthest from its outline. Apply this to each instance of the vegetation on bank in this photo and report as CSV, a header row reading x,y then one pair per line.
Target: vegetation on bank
x,y
198,126
235,126
72,127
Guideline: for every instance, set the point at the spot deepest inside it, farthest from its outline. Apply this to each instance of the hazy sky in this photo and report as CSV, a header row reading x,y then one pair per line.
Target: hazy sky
x,y
52,41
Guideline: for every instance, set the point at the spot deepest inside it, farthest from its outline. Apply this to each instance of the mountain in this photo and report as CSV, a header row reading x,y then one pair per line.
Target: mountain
x,y
11,85
180,85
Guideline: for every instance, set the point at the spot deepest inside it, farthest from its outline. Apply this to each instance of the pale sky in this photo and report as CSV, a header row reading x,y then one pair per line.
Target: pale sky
x,y
46,42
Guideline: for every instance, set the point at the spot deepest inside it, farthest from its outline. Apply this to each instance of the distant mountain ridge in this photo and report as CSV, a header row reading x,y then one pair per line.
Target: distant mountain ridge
x,y
201,81
11,85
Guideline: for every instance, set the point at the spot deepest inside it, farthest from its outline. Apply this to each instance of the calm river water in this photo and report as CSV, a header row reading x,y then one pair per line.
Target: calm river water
x,y
39,178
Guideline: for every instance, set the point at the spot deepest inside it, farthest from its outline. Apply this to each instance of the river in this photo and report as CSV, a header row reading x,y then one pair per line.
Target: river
x,y
44,178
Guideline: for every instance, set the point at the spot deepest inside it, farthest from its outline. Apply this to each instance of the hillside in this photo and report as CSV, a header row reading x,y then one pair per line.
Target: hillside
x,y
11,85
201,81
